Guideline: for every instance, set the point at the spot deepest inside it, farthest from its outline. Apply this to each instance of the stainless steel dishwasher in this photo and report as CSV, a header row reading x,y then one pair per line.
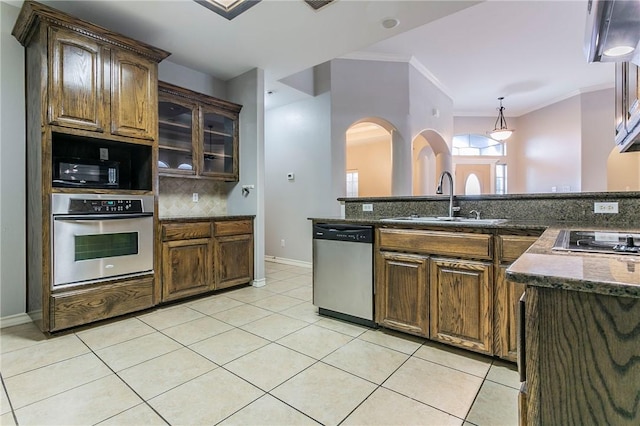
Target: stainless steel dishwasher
x,y
343,271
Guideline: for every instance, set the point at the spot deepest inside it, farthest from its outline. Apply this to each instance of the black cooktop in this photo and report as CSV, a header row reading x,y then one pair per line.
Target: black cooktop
x,y
598,242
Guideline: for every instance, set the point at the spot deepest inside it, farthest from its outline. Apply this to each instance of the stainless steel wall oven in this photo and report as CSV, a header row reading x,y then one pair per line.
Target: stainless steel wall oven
x,y
100,236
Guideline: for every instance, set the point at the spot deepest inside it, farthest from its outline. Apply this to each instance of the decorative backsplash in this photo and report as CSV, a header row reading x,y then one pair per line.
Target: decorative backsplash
x,y
176,198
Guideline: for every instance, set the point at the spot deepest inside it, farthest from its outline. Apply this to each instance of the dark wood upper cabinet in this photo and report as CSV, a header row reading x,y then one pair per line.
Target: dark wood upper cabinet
x,y
93,80
198,134
76,82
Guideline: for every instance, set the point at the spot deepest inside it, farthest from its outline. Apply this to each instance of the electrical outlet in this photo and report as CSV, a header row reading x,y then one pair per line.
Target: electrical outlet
x,y
195,197
281,243
367,207
610,207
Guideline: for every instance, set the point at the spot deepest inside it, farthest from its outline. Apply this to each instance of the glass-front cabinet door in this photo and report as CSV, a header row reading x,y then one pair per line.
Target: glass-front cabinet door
x,y
633,90
219,144
176,121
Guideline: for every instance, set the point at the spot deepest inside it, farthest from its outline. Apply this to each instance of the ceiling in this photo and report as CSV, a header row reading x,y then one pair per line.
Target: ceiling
x,y
528,51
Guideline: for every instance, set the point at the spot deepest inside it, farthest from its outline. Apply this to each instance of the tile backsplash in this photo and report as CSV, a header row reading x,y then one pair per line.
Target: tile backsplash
x,y
176,198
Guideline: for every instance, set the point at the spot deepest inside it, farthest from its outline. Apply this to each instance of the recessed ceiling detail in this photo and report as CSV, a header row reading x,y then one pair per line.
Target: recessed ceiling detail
x,y
228,8
317,4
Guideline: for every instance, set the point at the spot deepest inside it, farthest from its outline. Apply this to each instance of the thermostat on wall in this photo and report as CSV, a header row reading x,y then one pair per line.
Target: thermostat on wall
x,y
291,176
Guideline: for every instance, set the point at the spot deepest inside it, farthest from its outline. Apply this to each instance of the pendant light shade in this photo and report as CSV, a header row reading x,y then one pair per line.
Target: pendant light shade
x,y
500,132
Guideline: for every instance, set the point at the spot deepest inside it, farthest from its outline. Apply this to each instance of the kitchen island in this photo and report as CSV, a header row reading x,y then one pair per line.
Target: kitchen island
x,y
580,354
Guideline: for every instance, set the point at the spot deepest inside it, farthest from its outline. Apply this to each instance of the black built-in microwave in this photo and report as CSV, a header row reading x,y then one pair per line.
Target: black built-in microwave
x,y
86,173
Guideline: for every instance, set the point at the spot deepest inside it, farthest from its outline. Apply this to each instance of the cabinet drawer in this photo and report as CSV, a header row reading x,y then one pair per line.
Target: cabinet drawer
x,y
464,244
83,306
185,231
232,227
511,247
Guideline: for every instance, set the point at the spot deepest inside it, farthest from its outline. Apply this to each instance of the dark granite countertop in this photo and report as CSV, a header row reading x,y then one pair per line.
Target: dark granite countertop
x,y
608,274
204,218
508,224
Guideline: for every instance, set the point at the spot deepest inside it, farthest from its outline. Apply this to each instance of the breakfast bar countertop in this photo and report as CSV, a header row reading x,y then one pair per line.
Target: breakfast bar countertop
x,y
607,274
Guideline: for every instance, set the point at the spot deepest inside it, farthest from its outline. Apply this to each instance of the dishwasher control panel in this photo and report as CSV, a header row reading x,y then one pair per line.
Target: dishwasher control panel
x,y
343,232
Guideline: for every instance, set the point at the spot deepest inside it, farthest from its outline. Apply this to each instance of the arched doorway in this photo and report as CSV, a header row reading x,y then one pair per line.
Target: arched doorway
x,y
430,157
369,165
623,171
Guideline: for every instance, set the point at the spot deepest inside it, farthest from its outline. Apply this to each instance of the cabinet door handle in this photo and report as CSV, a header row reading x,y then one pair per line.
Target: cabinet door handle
x,y
522,367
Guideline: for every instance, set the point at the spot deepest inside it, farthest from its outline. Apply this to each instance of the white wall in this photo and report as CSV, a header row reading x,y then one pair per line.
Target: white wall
x,y
297,140
362,89
12,170
597,138
248,90
191,79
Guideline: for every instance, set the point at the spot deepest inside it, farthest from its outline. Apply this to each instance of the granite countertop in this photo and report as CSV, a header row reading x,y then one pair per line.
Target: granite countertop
x,y
608,274
204,218
508,224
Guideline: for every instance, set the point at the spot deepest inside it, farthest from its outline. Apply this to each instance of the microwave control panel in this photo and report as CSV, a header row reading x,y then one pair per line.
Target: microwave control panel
x,y
83,206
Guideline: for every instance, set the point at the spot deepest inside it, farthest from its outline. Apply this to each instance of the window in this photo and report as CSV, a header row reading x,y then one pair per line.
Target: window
x,y
472,185
477,145
486,151
352,183
501,178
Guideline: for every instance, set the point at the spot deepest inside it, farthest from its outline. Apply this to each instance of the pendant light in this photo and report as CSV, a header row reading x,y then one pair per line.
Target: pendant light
x,y
501,132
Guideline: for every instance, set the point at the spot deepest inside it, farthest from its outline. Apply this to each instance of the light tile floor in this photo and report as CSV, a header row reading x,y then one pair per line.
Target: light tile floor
x,y
248,356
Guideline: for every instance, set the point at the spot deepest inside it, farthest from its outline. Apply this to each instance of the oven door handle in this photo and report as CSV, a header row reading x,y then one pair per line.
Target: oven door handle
x,y
76,218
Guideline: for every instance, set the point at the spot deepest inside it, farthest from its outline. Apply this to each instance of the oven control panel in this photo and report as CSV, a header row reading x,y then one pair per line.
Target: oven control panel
x,y
83,206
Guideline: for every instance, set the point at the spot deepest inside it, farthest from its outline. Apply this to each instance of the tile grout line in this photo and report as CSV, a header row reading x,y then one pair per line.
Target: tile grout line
x,y
144,401
6,392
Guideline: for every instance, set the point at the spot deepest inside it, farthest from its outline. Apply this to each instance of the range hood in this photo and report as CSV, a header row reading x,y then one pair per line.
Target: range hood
x,y
612,23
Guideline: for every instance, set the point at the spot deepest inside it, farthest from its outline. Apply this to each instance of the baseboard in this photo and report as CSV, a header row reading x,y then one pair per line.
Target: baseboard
x,y
259,283
16,319
285,261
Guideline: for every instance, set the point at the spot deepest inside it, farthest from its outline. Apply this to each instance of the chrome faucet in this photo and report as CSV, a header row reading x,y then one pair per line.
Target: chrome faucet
x,y
439,190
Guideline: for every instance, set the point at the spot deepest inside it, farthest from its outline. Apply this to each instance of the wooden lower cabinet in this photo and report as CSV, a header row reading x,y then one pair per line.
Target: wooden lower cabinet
x,y
84,305
203,255
461,303
186,268
507,294
402,292
234,257
505,313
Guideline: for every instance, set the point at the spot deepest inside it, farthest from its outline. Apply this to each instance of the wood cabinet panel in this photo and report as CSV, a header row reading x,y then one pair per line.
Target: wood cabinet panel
x,y
461,244
186,268
583,358
82,306
461,302
234,227
511,247
134,95
186,231
507,294
402,297
76,85
234,260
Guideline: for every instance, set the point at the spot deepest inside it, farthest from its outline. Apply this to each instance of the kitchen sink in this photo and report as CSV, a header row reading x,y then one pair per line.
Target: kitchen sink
x,y
441,219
